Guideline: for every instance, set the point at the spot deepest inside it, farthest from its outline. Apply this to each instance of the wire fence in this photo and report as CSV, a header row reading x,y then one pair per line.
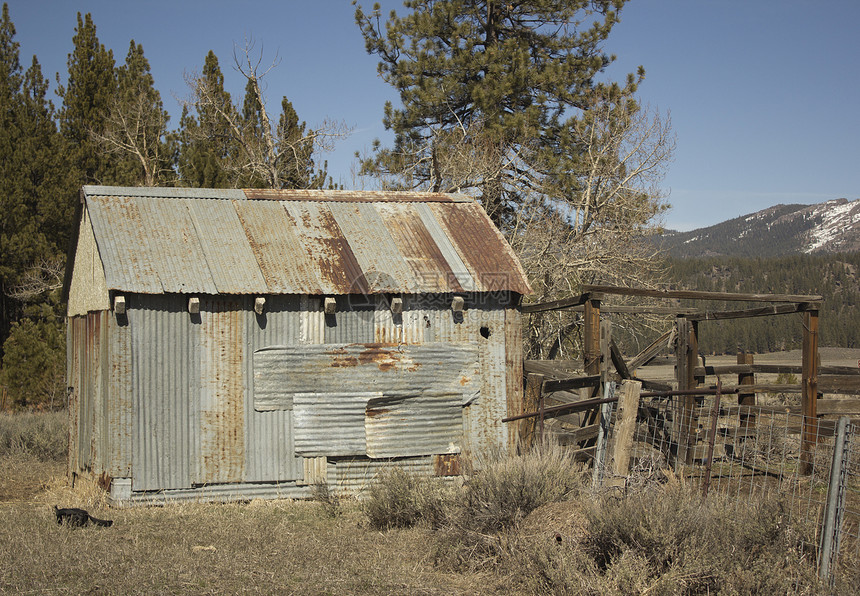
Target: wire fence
x,y
748,453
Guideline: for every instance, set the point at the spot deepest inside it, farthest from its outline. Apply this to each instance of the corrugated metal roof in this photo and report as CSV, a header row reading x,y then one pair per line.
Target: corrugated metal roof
x,y
176,240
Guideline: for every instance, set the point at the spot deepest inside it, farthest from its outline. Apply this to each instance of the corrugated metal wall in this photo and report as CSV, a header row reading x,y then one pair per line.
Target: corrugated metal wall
x,y
269,436
167,398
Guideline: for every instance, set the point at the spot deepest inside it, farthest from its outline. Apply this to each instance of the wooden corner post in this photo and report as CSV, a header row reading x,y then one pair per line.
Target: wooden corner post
x,y
591,351
809,387
686,355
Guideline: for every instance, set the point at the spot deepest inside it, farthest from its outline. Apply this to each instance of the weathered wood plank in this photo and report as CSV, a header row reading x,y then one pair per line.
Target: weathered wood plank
x,y
701,295
559,304
553,369
648,353
618,360
628,407
764,311
568,384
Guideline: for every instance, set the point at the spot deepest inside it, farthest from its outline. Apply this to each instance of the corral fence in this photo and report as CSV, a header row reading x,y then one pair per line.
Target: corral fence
x,y
719,438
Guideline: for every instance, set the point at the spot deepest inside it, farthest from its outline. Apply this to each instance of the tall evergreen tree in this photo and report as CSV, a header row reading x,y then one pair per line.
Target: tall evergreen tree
x,y
135,126
87,98
503,100
34,227
512,77
242,142
204,139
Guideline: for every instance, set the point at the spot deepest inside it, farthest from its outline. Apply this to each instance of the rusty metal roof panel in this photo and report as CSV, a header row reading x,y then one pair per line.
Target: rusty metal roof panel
x,y
496,269
231,261
461,274
168,192
355,196
383,266
335,265
287,266
175,248
431,271
297,242
123,245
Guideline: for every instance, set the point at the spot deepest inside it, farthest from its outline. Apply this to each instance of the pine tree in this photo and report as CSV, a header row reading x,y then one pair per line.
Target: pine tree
x,y
135,126
87,98
502,100
239,144
509,81
204,147
35,226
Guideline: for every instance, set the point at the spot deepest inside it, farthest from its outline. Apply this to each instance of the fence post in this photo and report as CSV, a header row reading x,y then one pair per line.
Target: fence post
x,y
628,408
829,549
602,437
809,432
745,398
531,402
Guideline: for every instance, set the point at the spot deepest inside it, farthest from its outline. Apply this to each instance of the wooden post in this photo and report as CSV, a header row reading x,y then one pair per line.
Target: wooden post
x,y
686,360
809,397
591,353
531,403
746,398
628,407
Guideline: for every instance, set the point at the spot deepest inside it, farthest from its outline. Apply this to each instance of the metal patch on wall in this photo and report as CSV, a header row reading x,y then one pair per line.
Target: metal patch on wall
x,y
280,373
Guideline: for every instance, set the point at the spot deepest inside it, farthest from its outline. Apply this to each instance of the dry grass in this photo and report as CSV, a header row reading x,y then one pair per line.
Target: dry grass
x,y
524,525
262,547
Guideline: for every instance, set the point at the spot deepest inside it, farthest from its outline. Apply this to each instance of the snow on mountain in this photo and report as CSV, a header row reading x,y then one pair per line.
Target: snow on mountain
x,y
832,226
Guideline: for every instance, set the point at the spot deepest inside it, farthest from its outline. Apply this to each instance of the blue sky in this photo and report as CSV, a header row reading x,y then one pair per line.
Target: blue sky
x,y
762,94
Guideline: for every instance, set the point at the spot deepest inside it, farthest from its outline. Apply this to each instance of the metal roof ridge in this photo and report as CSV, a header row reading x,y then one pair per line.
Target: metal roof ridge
x,y
165,192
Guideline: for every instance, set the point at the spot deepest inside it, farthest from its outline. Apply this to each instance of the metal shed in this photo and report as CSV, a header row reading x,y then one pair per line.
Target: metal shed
x,y
234,344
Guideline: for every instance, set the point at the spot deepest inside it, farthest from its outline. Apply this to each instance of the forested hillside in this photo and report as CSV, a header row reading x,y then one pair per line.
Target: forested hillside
x,y
833,276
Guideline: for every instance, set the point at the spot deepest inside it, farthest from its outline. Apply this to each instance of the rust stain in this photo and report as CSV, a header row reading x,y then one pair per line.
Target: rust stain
x,y
374,412
344,362
419,250
446,465
483,248
465,380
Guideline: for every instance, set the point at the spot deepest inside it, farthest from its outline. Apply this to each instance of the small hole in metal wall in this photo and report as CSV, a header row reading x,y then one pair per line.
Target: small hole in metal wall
x,y
485,332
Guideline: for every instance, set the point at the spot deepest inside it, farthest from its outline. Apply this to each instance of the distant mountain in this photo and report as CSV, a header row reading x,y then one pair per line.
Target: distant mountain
x,y
829,227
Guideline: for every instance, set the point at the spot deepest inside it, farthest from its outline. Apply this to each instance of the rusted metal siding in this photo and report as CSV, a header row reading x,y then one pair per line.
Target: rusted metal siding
x,y
350,476
166,383
331,424
398,426
389,369
269,436
120,401
353,322
222,394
